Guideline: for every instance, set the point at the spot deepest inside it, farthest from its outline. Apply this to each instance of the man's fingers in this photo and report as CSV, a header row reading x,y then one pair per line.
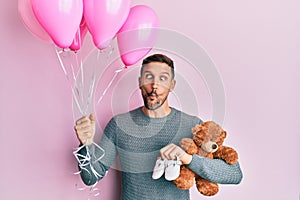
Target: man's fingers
x,y
186,143
83,126
169,152
162,152
87,141
81,120
84,129
172,153
83,136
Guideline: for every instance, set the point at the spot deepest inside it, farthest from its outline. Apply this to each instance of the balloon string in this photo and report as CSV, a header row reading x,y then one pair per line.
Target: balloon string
x,y
83,162
82,81
76,101
61,63
76,85
91,87
91,92
68,78
110,83
109,50
80,88
73,70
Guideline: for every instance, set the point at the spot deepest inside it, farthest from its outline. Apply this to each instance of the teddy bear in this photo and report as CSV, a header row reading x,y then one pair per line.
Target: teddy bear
x,y
207,141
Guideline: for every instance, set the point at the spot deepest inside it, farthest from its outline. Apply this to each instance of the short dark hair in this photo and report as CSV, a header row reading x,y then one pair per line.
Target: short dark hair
x,y
159,58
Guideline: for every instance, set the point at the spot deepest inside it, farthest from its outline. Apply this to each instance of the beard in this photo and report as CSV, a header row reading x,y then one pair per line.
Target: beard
x,y
153,104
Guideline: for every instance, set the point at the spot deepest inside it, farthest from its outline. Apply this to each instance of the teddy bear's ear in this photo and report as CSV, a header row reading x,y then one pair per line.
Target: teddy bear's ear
x,y
196,129
222,137
224,134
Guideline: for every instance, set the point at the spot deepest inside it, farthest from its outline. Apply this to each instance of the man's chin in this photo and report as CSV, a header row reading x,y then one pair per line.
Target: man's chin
x,y
152,106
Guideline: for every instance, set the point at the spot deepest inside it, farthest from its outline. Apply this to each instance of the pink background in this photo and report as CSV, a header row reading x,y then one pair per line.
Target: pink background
x,y
255,46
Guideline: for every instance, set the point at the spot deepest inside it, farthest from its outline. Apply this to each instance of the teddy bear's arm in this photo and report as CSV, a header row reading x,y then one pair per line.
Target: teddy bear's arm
x,y
228,154
189,146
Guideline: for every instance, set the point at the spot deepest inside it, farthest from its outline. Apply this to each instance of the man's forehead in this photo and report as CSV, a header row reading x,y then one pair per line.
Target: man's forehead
x,y
157,67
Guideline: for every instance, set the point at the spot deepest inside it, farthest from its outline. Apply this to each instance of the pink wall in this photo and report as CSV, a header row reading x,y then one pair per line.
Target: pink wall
x,y
255,46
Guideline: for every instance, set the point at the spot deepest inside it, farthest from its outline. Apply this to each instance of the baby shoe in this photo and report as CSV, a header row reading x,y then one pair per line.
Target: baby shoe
x,y
159,169
172,170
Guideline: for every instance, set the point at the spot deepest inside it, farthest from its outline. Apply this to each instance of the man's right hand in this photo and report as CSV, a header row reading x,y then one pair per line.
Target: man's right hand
x,y
85,129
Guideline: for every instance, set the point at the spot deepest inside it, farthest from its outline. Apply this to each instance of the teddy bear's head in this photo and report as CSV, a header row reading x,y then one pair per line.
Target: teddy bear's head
x,y
208,136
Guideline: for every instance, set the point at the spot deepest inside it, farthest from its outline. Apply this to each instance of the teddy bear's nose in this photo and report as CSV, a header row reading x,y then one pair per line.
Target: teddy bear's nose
x,y
214,146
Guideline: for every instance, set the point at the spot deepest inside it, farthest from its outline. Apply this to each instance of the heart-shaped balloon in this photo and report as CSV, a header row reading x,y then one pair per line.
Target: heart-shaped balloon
x,y
138,35
59,18
104,19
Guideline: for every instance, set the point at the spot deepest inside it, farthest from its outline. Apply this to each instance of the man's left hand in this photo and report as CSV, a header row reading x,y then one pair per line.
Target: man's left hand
x,y
172,151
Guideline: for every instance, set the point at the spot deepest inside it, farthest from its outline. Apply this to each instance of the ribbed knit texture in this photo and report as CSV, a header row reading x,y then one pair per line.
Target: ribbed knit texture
x,y
137,139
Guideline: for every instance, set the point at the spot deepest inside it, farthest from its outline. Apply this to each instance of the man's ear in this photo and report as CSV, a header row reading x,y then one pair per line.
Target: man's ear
x,y
173,83
140,82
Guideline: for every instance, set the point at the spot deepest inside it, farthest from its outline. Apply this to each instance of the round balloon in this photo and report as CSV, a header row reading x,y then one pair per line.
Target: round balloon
x,y
104,19
59,18
79,36
30,21
138,35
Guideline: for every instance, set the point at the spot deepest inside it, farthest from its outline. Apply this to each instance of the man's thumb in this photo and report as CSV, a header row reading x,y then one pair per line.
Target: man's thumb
x,y
92,117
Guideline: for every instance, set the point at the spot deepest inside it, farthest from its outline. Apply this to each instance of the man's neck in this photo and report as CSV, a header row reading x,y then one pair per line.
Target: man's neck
x,y
160,112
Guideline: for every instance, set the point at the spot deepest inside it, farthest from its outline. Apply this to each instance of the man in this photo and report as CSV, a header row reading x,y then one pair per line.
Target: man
x,y
142,135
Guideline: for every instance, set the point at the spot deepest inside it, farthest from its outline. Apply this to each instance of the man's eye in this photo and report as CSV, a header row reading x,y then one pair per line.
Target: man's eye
x,y
163,78
149,76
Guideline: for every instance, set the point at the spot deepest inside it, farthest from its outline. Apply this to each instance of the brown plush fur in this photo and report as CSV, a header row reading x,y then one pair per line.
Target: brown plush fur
x,y
205,138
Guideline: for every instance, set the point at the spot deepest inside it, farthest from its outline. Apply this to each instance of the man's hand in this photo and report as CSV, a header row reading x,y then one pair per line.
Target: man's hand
x,y
189,146
172,151
85,129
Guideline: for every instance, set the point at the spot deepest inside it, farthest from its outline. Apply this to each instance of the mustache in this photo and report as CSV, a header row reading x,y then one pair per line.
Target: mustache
x,y
152,92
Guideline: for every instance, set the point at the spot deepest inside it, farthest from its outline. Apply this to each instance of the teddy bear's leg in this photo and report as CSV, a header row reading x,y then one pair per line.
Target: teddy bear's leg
x,y
205,187
186,178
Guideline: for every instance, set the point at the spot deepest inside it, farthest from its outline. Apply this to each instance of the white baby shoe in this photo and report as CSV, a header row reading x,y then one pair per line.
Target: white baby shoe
x,y
159,168
172,169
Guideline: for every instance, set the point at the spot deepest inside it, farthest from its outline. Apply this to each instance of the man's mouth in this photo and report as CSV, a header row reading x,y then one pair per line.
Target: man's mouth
x,y
152,94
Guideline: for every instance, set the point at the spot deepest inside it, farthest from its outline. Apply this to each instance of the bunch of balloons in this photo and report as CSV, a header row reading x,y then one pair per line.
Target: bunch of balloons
x,y
66,22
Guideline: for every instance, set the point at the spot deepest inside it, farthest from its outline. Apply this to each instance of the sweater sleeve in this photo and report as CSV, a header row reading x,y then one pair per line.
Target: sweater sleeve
x,y
216,170
97,168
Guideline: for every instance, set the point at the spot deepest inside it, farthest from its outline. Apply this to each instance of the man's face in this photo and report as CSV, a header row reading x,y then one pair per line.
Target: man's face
x,y
155,83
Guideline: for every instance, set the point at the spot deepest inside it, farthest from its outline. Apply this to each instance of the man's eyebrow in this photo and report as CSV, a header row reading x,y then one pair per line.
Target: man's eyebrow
x,y
166,73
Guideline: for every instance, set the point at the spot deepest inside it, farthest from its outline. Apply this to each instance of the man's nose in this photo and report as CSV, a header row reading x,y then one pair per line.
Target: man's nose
x,y
155,83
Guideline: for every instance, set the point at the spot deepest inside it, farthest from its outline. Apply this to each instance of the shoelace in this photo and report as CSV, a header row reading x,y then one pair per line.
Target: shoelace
x,y
174,162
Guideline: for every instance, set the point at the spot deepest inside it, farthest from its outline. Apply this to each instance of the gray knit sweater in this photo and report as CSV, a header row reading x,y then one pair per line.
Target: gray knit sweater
x,y
136,140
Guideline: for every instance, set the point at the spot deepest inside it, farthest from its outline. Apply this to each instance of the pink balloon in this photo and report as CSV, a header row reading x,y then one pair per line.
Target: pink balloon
x,y
30,21
79,36
104,18
59,18
138,35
